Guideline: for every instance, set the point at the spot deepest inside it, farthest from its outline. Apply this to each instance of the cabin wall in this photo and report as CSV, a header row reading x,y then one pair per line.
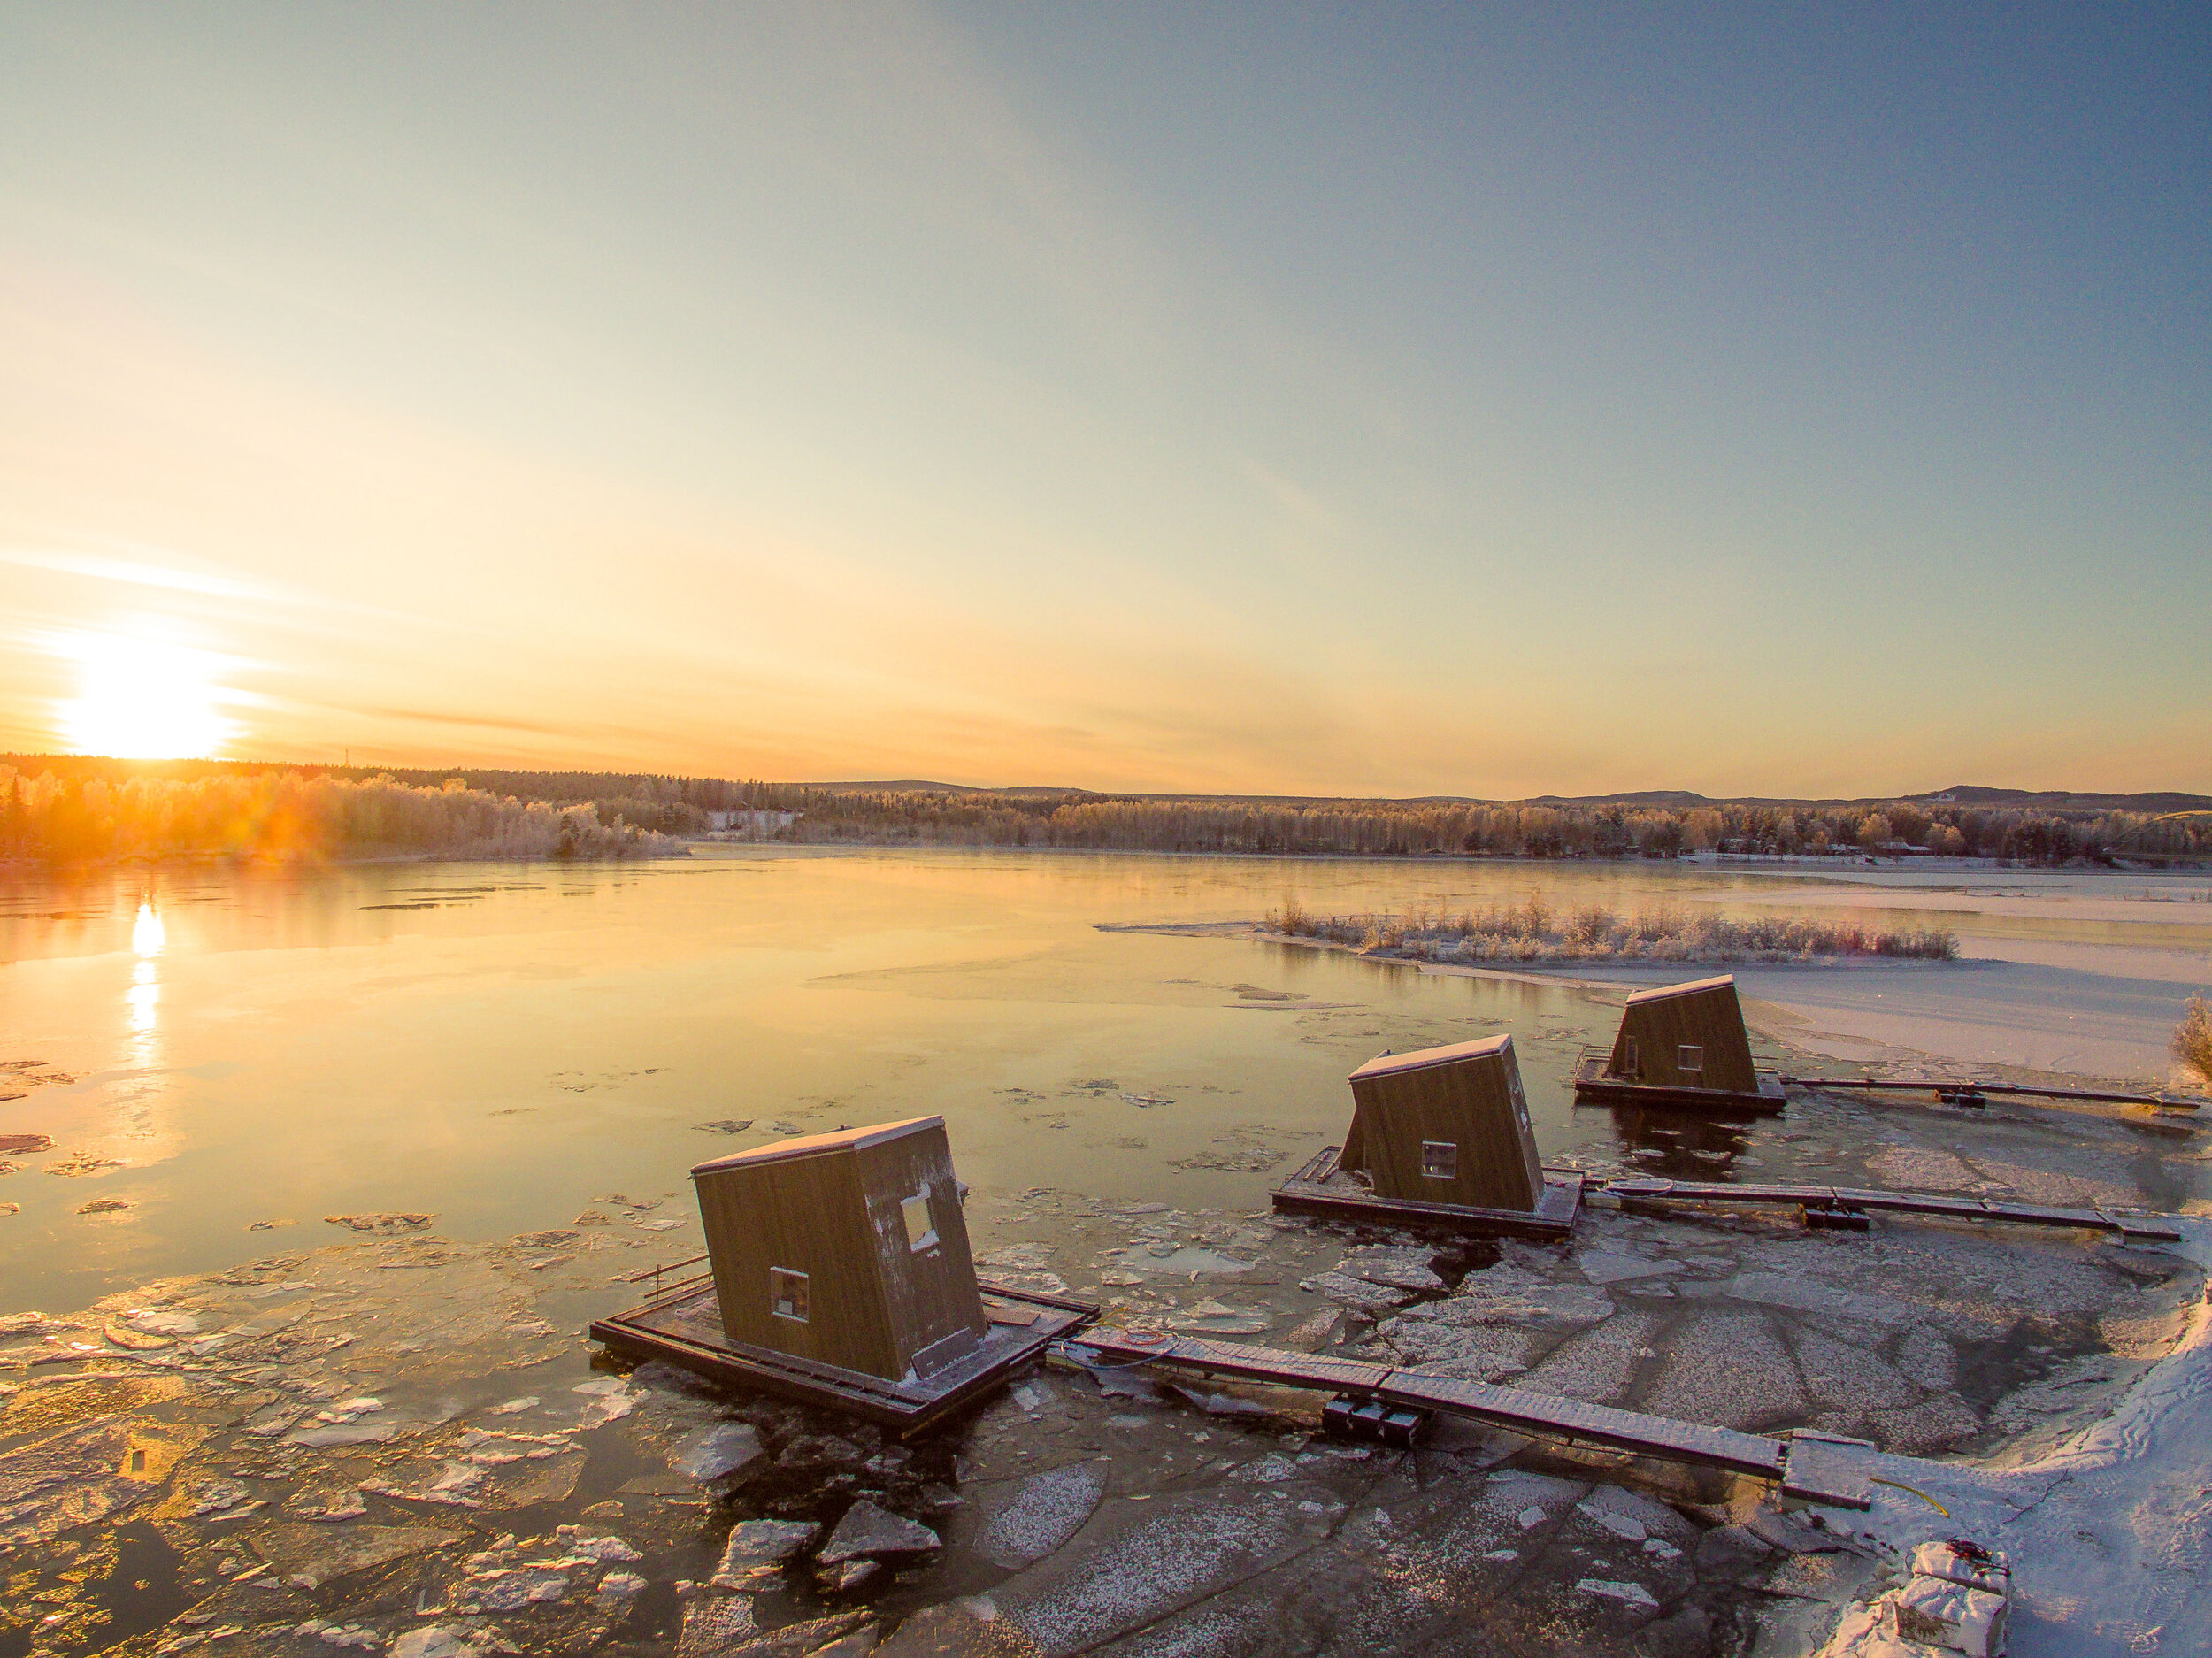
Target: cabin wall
x,y
1658,1029
1476,1104
936,1311
809,1215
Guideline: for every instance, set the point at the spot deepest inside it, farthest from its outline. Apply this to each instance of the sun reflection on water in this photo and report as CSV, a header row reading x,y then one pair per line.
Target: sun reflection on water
x,y
148,934
142,1001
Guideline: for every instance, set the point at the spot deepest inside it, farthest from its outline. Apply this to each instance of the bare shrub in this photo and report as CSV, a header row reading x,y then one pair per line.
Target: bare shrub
x,y
1590,926
2192,1039
1532,932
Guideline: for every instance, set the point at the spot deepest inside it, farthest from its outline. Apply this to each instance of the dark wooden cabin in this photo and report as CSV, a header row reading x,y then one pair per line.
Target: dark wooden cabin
x,y
847,1249
1680,1044
1686,1036
1442,1138
1445,1125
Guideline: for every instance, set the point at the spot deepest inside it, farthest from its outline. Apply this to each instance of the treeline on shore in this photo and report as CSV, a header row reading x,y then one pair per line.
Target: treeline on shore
x,y
74,807
1392,829
287,814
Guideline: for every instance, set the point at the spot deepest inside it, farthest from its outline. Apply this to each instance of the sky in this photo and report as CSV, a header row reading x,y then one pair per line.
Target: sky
x,y
1490,401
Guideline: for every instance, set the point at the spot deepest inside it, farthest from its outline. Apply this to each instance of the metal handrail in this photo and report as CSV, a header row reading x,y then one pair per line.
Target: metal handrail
x,y
656,1274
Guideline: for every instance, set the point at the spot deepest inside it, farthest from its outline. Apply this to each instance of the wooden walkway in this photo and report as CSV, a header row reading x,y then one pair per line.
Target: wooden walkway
x,y
683,1324
1809,1468
1321,1188
1977,1094
1854,1200
1593,1087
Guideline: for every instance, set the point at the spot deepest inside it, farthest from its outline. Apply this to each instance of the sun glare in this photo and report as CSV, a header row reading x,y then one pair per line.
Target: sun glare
x,y
144,699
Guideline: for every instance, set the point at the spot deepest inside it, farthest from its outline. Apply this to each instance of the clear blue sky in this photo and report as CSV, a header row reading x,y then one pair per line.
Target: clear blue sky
x,y
1754,400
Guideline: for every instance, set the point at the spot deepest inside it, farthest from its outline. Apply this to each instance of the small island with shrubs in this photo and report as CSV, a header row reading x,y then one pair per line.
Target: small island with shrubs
x,y
1534,932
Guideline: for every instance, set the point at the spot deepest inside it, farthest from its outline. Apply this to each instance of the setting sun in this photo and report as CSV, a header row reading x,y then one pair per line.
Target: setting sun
x,y
144,699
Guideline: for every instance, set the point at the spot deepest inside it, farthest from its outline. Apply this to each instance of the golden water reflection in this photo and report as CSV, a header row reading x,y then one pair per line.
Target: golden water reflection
x,y
148,934
142,1001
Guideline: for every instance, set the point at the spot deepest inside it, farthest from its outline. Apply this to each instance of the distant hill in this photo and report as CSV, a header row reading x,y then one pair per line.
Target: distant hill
x,y
2063,800
576,786
905,786
1641,797
1669,798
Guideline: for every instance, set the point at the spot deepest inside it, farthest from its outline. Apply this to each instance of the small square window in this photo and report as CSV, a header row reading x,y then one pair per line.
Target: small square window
x,y
921,1232
1440,1159
1689,1057
788,1295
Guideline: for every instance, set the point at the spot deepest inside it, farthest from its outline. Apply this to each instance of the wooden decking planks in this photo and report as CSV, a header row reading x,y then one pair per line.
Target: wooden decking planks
x,y
1594,1086
1320,1189
1817,1472
1236,1358
1820,1471
684,1327
1655,1190
1976,1092
1590,1424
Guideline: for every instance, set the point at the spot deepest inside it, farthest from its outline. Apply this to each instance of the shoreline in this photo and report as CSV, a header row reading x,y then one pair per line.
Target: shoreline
x,y
1779,863
1748,862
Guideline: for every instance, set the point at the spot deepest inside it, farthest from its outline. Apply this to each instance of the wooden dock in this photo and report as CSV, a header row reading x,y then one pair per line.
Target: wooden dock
x,y
1593,1086
1840,1201
1812,1469
1977,1094
1321,1188
682,1324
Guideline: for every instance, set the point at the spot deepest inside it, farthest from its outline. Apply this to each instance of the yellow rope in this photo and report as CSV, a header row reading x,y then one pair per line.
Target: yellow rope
x,y
1923,1496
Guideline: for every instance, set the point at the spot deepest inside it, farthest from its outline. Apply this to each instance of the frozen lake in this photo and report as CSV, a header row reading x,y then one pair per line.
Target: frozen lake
x,y
500,1045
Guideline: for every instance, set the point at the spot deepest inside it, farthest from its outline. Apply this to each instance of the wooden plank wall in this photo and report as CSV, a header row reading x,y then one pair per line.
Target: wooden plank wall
x,y
931,1297
1710,1018
809,1215
1477,1104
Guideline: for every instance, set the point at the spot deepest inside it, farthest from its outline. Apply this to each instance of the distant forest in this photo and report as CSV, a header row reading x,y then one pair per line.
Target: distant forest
x,y
63,807
1453,829
55,817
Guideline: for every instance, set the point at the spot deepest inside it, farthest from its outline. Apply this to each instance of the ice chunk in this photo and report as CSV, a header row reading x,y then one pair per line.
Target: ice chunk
x,y
1398,1267
754,1543
715,1451
618,1588
1048,1510
1632,1594
1621,1525
1600,1266
868,1530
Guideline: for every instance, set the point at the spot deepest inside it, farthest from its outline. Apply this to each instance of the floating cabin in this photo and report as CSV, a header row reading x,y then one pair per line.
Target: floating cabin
x,y
1441,1137
1680,1044
840,1274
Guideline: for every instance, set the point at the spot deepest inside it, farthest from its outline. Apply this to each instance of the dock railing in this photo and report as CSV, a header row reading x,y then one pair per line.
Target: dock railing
x,y
664,1287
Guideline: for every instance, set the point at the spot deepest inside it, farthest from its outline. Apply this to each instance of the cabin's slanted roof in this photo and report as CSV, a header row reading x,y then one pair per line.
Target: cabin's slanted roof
x,y
1660,993
1422,1058
819,1145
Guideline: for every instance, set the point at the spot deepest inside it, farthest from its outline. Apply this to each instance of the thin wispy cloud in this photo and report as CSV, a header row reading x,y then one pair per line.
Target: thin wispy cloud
x,y
140,572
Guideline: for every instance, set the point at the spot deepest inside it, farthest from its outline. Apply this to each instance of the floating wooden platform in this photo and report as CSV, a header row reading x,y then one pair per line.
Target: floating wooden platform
x,y
1321,1188
1593,1087
1811,1468
683,1324
1843,1199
